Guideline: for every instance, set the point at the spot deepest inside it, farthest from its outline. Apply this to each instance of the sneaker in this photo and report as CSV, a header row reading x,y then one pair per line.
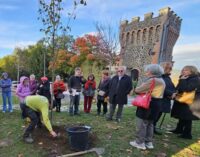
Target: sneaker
x,y
185,136
149,145
4,111
139,146
11,111
157,132
118,120
109,119
175,131
28,139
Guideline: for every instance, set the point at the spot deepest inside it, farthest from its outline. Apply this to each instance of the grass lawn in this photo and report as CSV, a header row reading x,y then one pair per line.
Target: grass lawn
x,y
112,136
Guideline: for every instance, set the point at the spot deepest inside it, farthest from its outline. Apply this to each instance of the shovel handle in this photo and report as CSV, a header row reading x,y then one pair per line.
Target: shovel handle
x,y
77,153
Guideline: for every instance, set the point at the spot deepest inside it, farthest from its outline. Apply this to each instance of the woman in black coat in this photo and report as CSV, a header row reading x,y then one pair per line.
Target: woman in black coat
x,y
44,88
169,93
102,94
189,81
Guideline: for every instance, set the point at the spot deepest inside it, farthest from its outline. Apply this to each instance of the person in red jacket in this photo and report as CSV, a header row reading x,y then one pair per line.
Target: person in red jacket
x,y
89,91
58,89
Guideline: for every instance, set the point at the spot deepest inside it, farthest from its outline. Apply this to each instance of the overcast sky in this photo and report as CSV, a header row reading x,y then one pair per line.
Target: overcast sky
x,y
19,25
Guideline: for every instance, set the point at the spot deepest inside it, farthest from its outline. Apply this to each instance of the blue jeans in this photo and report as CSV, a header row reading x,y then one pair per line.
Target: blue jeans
x,y
8,96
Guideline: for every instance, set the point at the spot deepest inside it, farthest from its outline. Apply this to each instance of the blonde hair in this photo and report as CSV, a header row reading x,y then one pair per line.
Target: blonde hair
x,y
105,72
192,69
166,65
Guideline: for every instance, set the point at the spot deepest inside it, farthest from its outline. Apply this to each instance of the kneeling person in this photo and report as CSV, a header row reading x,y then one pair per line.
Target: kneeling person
x,y
34,107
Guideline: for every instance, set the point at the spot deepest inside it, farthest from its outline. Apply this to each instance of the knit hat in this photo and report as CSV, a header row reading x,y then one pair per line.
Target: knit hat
x,y
44,78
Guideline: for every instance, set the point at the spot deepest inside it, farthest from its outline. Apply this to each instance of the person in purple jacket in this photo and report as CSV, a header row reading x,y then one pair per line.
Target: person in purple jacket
x,y
23,89
6,84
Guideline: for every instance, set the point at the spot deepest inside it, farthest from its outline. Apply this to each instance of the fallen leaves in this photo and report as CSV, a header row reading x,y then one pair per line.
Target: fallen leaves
x,y
161,155
129,151
5,142
20,155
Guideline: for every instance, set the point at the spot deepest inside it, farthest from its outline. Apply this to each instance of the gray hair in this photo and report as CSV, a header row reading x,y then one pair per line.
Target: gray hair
x,y
32,76
154,69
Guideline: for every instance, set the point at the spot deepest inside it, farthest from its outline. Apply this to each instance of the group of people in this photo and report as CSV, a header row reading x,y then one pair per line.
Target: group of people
x,y
114,91
109,90
163,94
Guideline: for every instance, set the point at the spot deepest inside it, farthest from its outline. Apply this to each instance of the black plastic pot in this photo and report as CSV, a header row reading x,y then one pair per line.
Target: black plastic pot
x,y
78,137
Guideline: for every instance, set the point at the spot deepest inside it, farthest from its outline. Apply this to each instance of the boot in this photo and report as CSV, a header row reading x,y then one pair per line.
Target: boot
x,y
28,138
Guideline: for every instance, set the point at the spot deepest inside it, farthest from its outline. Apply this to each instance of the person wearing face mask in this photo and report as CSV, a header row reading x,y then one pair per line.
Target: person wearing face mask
x,y
58,89
5,84
89,91
189,81
119,88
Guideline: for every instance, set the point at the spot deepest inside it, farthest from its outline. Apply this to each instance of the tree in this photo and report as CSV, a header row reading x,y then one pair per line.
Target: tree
x,y
51,15
107,46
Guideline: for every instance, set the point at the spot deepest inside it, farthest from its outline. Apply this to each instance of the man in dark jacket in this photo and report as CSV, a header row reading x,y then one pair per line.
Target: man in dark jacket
x,y
75,85
119,88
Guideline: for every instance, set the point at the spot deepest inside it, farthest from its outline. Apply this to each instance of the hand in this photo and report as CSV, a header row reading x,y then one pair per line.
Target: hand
x,y
41,85
53,134
184,77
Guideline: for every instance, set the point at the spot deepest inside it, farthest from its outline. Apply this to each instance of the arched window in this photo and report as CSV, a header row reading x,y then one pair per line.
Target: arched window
x,y
157,35
144,36
133,37
127,38
151,35
138,36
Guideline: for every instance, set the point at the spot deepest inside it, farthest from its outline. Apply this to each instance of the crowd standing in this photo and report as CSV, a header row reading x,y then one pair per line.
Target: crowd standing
x,y
111,93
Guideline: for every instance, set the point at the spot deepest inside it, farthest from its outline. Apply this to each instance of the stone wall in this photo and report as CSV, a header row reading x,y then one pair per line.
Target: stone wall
x,y
149,41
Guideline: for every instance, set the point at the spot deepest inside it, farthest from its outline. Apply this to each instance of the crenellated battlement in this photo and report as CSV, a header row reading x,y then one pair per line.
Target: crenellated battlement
x,y
163,13
150,40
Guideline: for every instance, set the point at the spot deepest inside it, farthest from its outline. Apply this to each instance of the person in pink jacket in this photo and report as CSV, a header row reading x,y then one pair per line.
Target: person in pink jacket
x,y
23,89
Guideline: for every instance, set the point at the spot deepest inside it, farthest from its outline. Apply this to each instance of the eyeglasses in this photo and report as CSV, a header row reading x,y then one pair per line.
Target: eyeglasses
x,y
120,71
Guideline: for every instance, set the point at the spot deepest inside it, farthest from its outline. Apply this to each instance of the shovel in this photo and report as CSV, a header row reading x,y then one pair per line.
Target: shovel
x,y
98,151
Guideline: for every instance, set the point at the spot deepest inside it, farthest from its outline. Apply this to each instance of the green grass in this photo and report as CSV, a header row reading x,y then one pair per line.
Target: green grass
x,y
113,137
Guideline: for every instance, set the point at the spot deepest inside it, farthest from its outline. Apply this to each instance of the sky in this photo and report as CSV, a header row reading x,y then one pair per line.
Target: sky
x,y
19,26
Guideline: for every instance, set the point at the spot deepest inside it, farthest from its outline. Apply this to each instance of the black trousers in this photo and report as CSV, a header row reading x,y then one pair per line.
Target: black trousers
x,y
157,119
33,115
58,103
105,108
185,127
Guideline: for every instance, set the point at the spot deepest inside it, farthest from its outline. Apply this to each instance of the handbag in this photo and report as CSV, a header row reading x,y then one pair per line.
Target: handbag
x,y
186,97
143,100
60,96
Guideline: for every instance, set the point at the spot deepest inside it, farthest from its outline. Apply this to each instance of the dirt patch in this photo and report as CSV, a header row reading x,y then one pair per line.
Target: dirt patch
x,y
60,145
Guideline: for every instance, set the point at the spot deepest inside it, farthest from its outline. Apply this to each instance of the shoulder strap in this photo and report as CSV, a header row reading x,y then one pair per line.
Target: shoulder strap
x,y
152,85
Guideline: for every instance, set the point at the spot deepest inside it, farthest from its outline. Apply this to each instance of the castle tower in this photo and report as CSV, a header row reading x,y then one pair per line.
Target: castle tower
x,y
149,41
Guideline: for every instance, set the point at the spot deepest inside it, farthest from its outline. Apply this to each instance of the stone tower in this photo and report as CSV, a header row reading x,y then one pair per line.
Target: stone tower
x,y
149,41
